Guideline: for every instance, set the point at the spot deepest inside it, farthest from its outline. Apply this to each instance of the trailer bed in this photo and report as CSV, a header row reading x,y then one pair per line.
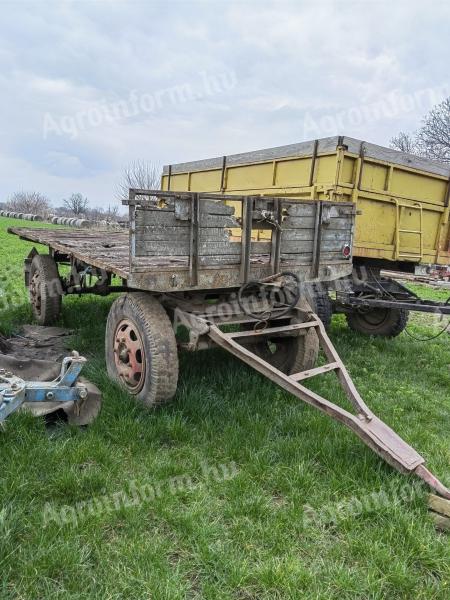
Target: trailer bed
x,y
103,249
107,250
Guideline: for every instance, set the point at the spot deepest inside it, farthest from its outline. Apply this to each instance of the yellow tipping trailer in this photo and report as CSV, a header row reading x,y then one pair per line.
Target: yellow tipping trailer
x,y
402,200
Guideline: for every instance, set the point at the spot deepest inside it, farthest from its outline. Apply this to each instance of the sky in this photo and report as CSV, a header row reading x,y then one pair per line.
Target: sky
x,y
89,86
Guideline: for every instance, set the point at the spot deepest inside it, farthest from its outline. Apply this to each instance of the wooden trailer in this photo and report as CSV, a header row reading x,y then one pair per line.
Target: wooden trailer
x,y
190,261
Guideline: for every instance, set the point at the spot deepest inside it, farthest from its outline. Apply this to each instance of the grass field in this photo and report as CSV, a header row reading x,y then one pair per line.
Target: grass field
x,y
255,495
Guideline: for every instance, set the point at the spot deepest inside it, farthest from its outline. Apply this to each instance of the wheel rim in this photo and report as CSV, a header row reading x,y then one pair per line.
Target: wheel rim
x,y
35,293
129,356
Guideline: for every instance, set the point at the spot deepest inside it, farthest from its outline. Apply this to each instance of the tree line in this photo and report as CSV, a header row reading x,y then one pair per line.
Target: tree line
x,y
139,174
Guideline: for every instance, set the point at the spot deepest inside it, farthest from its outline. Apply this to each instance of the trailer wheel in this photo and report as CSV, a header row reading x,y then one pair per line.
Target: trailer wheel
x,y
321,304
290,354
384,322
45,289
140,348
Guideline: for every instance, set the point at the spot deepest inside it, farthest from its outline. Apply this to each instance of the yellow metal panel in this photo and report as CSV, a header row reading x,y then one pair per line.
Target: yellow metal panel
x,y
348,170
179,182
431,221
374,176
325,169
419,187
293,172
376,224
206,181
248,177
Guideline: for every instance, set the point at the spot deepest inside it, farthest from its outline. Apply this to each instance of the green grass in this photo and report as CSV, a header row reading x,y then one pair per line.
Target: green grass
x,y
240,538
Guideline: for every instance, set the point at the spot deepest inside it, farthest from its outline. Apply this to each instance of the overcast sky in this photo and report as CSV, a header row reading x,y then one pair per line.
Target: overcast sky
x,y
88,86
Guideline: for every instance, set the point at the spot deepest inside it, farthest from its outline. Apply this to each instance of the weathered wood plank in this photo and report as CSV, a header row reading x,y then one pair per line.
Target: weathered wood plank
x,y
298,223
302,210
337,235
181,248
325,257
218,261
168,232
150,262
207,207
168,218
301,246
308,222
181,206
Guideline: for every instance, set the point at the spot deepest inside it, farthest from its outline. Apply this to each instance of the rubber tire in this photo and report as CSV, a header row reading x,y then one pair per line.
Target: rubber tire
x,y
160,347
298,354
50,289
321,304
394,322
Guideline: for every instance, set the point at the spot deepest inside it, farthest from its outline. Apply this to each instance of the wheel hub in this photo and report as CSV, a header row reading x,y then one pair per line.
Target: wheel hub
x,y
129,355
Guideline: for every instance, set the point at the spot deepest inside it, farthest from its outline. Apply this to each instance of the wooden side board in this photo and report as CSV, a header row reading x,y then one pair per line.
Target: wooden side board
x,y
166,231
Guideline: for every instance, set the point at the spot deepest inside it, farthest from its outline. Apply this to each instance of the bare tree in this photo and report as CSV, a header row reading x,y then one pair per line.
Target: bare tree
x,y
433,138
29,202
76,204
434,135
139,174
112,212
404,142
